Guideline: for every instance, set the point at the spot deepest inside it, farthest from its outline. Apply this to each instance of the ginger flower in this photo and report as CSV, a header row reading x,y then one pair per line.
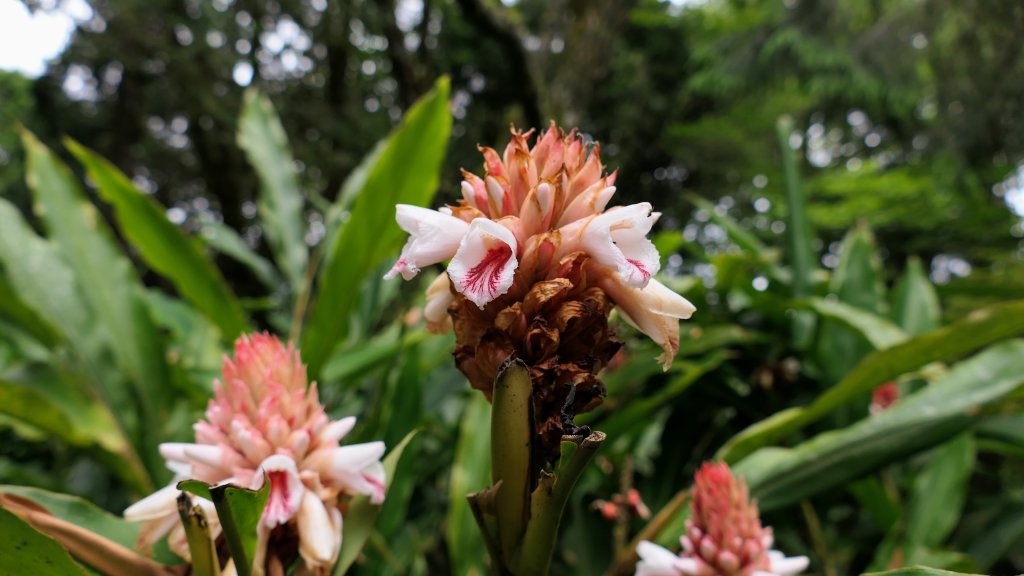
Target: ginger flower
x,y
537,261
884,397
265,422
724,536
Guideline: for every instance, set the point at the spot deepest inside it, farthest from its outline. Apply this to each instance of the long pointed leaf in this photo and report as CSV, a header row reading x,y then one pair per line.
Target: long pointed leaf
x,y
50,289
470,472
915,303
163,246
856,282
407,171
265,143
778,477
979,329
108,283
24,550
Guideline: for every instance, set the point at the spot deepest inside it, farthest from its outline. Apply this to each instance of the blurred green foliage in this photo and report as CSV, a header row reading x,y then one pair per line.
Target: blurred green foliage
x,y
833,177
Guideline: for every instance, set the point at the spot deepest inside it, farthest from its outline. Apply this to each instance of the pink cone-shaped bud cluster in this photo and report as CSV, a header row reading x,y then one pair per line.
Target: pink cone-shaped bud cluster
x,y
535,209
265,424
723,536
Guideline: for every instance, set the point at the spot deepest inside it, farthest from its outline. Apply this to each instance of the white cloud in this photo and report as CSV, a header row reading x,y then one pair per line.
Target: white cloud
x,y
28,41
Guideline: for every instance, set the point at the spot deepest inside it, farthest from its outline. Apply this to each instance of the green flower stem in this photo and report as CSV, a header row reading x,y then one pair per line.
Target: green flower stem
x,y
512,461
519,514
548,503
197,533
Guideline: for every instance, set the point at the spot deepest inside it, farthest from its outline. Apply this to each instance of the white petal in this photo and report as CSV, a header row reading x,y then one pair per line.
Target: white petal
x,y
787,566
535,213
182,471
618,239
337,430
259,557
654,310
359,470
439,297
591,201
286,489
655,560
153,530
495,196
359,455
469,194
156,505
485,264
688,566
434,237
175,451
212,456
318,543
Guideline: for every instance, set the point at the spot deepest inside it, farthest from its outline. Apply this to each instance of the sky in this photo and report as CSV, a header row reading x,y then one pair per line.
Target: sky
x,y
28,40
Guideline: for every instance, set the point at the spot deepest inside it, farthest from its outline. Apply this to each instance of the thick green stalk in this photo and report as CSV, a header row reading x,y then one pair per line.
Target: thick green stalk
x,y
197,533
548,503
512,472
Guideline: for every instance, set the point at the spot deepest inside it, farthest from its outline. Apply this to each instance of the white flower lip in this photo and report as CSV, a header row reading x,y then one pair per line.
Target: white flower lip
x,y
654,309
286,489
434,237
618,239
655,560
358,468
485,264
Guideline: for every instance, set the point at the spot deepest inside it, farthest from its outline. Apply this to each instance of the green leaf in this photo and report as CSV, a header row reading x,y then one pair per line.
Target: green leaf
x,y
80,513
40,277
873,498
407,171
916,571
798,227
512,427
736,233
778,477
631,415
53,401
196,488
470,472
799,253
362,514
979,329
225,240
24,550
938,496
915,303
162,245
61,403
109,284
1000,535
15,310
365,356
265,143
857,282
877,330
239,511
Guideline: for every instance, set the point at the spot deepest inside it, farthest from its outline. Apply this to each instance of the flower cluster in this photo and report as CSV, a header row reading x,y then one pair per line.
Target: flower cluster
x,y
537,263
724,536
265,424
